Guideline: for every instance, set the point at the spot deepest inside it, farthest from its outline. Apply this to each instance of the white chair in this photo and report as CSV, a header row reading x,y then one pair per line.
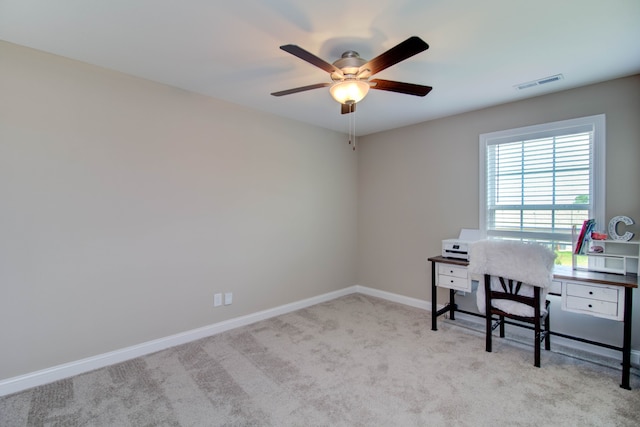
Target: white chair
x,y
516,280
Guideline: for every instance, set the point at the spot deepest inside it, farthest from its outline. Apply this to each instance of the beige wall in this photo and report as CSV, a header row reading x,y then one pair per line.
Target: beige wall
x,y
418,185
127,204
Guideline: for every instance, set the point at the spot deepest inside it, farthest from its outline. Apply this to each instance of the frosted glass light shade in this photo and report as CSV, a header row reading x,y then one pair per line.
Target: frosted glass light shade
x,y
349,91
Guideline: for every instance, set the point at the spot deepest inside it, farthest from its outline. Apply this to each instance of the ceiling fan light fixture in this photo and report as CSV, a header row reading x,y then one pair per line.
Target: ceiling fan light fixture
x,y
349,91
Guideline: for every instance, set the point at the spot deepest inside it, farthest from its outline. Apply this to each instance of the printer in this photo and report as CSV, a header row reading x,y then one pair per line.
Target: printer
x,y
459,248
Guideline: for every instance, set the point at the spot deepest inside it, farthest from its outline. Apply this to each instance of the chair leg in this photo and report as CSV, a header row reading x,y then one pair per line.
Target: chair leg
x,y
488,339
501,326
536,343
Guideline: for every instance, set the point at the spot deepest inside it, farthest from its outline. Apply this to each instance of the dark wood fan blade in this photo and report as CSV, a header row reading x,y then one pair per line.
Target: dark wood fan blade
x,y
400,87
310,58
347,108
300,89
402,51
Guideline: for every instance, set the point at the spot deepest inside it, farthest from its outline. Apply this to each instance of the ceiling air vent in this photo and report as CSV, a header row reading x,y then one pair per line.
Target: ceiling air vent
x,y
539,82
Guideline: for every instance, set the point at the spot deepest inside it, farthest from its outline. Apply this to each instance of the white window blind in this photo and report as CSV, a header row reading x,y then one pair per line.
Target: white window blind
x,y
537,182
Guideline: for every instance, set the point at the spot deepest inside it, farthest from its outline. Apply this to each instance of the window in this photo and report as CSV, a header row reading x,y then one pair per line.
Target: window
x,y
538,181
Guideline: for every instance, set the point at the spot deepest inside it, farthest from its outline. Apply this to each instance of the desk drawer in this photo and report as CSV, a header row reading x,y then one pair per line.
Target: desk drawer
x,y
593,306
452,270
453,282
592,292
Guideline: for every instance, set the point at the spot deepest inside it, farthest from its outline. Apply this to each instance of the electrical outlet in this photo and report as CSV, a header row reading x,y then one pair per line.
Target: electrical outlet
x,y
228,298
217,300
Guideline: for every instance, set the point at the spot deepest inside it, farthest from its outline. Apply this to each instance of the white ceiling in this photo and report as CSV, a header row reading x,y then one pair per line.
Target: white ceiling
x,y
230,49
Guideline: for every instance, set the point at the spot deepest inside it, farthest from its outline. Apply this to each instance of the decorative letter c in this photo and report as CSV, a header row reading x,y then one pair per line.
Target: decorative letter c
x,y
613,225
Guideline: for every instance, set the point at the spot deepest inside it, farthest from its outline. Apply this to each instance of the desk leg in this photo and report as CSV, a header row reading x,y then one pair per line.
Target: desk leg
x,y
452,304
434,298
626,346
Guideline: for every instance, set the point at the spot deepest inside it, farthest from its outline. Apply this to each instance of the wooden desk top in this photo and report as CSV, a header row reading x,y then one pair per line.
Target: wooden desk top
x,y
561,272
445,260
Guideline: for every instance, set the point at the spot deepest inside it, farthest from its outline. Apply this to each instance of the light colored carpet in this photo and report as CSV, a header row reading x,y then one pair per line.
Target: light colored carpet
x,y
353,361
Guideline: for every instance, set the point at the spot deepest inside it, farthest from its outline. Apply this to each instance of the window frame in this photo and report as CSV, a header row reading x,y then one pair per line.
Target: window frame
x,y
597,197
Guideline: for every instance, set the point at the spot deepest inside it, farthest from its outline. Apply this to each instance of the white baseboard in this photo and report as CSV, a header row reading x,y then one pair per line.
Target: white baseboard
x,y
45,376
400,299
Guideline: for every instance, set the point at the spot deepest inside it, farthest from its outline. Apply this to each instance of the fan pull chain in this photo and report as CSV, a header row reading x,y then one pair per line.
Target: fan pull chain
x,y
352,130
349,129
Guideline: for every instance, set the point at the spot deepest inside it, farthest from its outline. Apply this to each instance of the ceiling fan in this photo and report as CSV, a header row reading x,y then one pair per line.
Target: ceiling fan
x,y
350,73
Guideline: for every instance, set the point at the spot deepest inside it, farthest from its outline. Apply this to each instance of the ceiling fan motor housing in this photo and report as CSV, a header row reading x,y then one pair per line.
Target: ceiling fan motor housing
x,y
350,64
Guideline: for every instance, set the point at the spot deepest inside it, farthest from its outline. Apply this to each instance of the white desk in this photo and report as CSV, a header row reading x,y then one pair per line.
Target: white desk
x,y
590,293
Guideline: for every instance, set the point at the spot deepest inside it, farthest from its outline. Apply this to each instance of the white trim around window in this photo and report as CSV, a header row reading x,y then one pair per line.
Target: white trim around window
x,y
594,126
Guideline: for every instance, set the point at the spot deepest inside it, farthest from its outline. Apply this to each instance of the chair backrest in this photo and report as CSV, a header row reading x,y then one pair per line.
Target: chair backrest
x,y
509,302
510,289
528,263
